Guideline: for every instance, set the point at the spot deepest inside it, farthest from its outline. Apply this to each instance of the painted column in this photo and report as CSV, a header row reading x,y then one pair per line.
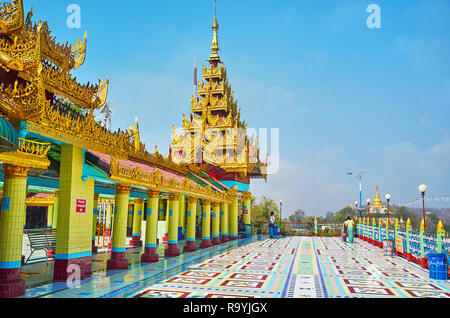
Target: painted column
x,y
315,227
130,219
246,212
215,216
380,239
182,214
191,224
137,223
55,210
119,239
440,236
233,219
108,223
224,222
150,255
408,233
162,214
396,228
11,230
173,250
423,260
50,217
94,223
74,235
206,225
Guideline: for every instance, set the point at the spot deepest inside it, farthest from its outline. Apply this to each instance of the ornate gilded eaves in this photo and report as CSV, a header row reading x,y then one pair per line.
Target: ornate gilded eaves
x,y
11,17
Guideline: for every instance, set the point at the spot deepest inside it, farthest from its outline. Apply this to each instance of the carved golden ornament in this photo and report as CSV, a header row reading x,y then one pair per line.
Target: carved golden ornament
x,y
192,200
29,154
174,197
34,148
153,194
11,17
23,102
96,196
216,204
22,52
15,172
122,189
138,201
246,196
47,201
56,193
206,202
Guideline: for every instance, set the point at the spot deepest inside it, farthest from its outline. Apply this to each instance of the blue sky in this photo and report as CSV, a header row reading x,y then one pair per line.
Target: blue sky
x,y
345,97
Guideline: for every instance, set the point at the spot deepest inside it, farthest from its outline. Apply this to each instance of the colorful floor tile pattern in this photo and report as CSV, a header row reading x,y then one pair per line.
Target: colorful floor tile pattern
x,y
291,267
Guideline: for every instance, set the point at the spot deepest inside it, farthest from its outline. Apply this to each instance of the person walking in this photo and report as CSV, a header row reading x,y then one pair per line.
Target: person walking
x,y
350,229
344,231
271,224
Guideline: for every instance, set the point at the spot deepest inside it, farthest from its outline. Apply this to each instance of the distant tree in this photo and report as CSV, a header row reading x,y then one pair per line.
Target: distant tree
x,y
261,212
297,216
329,216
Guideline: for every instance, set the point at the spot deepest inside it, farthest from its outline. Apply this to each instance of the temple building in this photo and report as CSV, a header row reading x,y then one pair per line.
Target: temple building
x,y
214,138
82,187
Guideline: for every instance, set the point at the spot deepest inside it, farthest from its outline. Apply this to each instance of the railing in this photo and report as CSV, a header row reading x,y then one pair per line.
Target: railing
x,y
33,148
413,246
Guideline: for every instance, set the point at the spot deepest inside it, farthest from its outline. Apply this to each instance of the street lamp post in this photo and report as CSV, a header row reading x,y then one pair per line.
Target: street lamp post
x,y
388,198
359,176
423,188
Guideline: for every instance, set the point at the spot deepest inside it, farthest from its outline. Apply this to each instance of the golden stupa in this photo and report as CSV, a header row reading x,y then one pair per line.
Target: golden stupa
x,y
377,203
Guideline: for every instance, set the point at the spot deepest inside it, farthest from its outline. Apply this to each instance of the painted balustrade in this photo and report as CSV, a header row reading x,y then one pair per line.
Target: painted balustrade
x,y
413,246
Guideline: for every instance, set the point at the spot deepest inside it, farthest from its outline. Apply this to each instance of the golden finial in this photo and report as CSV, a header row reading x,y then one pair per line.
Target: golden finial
x,y
440,227
215,41
422,224
408,223
380,221
396,222
387,222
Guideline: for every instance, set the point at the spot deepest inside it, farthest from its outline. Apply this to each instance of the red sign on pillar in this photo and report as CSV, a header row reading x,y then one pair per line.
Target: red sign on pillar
x,y
81,206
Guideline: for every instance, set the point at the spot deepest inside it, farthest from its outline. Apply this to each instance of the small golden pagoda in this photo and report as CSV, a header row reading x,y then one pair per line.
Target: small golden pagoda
x,y
377,204
214,135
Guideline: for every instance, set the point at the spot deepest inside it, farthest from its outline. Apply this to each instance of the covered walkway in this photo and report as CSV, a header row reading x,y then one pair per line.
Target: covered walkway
x,y
291,267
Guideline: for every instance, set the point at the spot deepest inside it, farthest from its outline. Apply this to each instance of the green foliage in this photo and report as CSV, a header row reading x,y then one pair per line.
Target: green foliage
x,y
261,212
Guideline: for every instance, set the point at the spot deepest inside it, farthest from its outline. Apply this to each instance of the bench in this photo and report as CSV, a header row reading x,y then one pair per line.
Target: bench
x,y
41,240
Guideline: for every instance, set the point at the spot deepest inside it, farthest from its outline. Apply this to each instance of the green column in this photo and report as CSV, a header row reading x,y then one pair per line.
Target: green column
x,y
215,217
206,225
11,230
118,260
137,223
150,255
224,222
173,250
191,224
233,219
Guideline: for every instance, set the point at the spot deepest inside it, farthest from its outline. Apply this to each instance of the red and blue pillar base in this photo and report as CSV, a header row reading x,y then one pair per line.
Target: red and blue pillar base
x,y
206,242
117,260
63,263
136,241
190,246
11,285
172,250
150,255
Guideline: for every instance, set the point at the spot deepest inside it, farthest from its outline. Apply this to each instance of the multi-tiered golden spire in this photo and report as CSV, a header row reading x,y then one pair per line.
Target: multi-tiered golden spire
x,y
377,202
214,128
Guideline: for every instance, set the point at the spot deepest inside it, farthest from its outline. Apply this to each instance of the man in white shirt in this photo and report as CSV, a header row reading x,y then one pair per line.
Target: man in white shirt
x,y
271,224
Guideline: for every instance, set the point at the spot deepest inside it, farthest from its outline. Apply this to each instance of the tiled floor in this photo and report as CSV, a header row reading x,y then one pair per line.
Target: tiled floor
x,y
290,267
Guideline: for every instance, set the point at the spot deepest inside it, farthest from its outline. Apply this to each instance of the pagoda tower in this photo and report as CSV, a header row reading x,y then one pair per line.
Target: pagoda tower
x,y
214,139
377,205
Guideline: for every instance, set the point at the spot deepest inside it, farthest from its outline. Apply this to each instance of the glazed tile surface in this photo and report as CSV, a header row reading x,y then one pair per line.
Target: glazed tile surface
x,y
291,267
